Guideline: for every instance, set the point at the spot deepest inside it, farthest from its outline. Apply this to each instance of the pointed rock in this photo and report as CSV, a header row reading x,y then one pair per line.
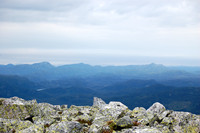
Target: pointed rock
x,y
98,102
156,108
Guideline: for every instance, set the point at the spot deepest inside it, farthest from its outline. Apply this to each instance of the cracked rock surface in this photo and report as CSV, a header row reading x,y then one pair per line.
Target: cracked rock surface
x,y
20,116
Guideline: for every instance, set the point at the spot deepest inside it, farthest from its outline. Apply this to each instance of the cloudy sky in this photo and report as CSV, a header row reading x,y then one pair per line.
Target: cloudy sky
x,y
100,32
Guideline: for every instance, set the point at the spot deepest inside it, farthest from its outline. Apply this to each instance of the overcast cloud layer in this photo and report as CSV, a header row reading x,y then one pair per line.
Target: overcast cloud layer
x,y
114,32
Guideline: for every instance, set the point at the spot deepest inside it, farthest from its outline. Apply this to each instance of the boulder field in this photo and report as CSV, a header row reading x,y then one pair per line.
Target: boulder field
x,y
20,116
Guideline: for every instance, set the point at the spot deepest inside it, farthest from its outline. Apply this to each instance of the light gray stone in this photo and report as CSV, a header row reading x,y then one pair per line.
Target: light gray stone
x,y
156,108
98,102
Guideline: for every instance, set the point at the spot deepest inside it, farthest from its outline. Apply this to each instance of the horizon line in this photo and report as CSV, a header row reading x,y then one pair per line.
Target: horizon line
x,y
137,64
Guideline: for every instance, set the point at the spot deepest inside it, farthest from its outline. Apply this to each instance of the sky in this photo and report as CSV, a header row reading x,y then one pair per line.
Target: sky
x,y
100,32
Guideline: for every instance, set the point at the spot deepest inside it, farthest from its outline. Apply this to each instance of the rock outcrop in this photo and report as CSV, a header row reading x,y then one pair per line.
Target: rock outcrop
x,y
20,116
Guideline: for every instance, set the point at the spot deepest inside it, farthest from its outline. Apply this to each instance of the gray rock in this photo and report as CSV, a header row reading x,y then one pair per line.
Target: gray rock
x,y
115,109
83,114
47,109
98,102
17,108
141,130
65,127
74,127
47,120
34,129
17,101
184,121
11,125
116,105
111,111
164,114
156,108
125,122
147,130
140,115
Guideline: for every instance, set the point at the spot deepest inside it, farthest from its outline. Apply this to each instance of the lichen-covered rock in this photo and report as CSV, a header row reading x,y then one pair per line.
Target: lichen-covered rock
x,y
17,108
185,122
83,114
110,112
164,114
34,129
20,116
65,127
12,125
124,122
155,114
140,115
43,120
47,109
114,110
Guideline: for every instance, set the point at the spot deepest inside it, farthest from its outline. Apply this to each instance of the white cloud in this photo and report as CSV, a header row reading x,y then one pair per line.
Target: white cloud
x,y
165,28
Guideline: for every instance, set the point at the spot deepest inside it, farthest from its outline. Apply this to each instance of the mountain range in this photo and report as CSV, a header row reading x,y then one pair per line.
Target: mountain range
x,y
176,87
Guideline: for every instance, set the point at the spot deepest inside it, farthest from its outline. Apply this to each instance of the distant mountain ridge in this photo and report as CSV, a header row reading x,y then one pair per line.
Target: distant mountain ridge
x,y
45,71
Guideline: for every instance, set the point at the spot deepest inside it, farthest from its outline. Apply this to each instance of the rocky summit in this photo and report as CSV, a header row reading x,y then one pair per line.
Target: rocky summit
x,y
21,116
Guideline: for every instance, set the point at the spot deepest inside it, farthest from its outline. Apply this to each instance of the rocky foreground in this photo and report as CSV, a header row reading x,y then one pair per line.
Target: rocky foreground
x,y
18,115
